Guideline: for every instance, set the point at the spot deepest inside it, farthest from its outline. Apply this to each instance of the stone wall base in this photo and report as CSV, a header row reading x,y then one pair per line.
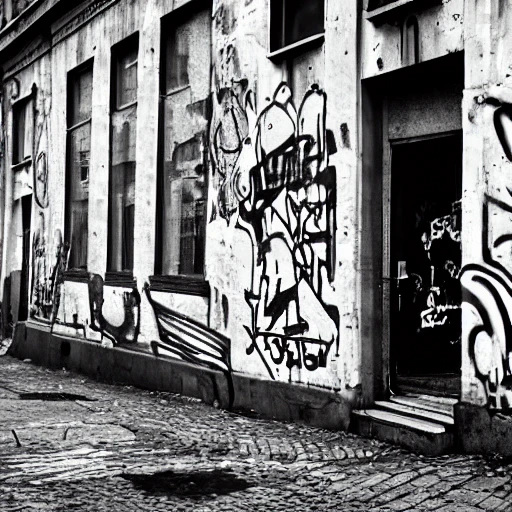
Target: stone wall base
x,y
479,430
277,400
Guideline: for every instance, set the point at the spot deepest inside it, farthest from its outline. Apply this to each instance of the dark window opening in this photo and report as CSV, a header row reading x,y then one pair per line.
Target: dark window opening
x,y
125,59
375,4
23,130
181,200
123,134
292,21
18,6
78,158
84,165
177,52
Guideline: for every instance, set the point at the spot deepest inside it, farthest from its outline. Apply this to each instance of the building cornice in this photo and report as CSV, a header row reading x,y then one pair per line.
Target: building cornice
x,y
64,17
25,21
77,17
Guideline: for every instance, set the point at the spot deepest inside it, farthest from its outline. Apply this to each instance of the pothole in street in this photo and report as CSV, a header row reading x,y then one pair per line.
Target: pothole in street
x,y
190,484
54,396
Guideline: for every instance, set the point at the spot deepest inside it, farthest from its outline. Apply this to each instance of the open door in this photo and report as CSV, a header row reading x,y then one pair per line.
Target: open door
x,y
424,263
26,212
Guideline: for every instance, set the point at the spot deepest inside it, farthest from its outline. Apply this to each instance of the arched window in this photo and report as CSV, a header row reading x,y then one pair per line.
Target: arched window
x,y
410,41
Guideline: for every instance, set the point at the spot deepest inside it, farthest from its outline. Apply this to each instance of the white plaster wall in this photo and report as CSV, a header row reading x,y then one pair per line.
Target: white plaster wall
x,y
333,67
487,178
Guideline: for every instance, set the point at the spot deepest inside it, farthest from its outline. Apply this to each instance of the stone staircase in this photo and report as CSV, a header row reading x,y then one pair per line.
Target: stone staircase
x,y
422,423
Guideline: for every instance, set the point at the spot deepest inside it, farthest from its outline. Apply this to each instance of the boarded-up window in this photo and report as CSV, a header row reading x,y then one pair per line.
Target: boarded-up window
x,y
292,21
23,130
78,156
123,141
183,167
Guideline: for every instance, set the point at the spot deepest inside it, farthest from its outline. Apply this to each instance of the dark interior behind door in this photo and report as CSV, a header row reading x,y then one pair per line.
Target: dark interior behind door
x,y
425,262
26,212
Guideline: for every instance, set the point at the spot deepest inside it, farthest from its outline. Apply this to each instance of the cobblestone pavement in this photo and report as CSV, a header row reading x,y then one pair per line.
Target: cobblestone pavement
x,y
70,443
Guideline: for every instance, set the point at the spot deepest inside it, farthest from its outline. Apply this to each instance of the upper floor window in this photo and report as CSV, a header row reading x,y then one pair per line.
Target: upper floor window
x,y
375,4
122,167
78,158
125,61
185,90
177,53
23,130
13,8
292,21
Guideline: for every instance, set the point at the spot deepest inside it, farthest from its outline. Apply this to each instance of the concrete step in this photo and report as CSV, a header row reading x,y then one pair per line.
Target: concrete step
x,y
419,423
415,412
435,404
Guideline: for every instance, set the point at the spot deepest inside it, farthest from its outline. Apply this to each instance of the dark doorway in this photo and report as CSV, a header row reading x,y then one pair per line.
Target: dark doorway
x,y
425,261
26,213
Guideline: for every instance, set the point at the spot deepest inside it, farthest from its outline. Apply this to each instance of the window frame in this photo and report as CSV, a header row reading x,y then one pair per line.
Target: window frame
x,y
284,50
118,50
122,47
191,284
75,273
393,10
16,106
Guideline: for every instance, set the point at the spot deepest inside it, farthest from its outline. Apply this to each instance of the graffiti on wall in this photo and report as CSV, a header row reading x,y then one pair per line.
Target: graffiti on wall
x,y
47,267
41,180
46,292
488,286
441,243
230,128
187,339
128,331
47,282
279,182
184,338
40,173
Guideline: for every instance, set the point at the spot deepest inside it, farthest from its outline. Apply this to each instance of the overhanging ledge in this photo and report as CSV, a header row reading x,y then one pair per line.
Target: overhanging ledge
x,y
393,11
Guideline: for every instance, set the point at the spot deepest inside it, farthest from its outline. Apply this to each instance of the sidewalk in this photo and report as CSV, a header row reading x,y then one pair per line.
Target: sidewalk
x,y
70,443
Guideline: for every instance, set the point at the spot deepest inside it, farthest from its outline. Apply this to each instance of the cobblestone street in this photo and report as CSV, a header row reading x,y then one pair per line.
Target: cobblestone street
x,y
70,443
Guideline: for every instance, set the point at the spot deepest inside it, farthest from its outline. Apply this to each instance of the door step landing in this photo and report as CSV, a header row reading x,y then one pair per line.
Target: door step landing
x,y
422,423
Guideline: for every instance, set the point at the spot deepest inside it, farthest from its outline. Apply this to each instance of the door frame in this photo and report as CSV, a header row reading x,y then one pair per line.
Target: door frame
x,y
387,279
26,204
373,289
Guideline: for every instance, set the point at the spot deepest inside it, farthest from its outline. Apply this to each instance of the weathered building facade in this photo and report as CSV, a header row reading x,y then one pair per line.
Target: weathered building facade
x,y
297,207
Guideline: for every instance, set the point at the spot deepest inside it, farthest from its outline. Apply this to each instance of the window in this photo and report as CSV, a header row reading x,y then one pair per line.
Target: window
x,y
78,157
177,50
122,157
400,4
181,200
20,5
23,130
292,21
375,4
